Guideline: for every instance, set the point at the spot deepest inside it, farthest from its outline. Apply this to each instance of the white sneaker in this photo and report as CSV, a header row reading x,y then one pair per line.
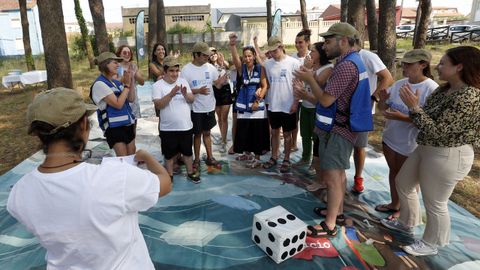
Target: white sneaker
x,y
420,248
315,186
395,225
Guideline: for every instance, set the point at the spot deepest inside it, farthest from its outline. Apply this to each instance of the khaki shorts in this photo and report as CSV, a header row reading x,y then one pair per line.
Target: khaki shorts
x,y
334,151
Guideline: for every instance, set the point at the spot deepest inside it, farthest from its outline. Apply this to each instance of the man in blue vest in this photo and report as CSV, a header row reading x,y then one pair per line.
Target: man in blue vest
x,y
332,121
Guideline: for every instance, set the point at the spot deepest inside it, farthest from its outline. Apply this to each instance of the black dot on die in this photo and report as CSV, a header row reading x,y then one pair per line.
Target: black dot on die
x,y
300,247
286,242
291,217
281,221
272,224
269,251
258,225
294,239
271,237
302,235
257,239
284,255
292,251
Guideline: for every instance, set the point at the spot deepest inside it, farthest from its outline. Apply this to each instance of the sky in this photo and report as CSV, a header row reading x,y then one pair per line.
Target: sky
x,y
113,7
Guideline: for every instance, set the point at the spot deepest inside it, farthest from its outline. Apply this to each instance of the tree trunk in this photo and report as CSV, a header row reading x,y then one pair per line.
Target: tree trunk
x,y
356,17
269,18
87,46
303,14
152,27
387,39
101,35
343,10
372,25
161,25
26,35
420,38
54,38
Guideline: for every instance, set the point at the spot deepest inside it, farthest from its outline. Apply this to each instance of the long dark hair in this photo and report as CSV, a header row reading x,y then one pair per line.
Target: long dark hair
x,y
467,56
323,56
71,135
154,57
427,71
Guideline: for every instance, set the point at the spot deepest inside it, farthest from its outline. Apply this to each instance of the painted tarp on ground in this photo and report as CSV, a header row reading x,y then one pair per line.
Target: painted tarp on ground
x,y
208,226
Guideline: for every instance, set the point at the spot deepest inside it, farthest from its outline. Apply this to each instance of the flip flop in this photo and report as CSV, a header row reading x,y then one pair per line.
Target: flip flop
x,y
270,163
384,208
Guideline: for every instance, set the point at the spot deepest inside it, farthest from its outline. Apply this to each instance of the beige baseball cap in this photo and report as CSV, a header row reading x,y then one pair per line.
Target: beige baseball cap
x,y
416,55
171,61
202,47
106,56
273,43
341,29
59,107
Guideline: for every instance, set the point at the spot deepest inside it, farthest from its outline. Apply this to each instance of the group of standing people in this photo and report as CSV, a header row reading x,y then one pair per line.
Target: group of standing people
x,y
428,139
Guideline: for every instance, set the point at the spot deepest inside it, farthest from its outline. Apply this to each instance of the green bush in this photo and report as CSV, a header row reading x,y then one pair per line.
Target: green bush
x,y
77,50
181,29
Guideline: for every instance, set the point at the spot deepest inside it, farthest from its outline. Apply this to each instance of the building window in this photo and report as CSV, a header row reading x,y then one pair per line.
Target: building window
x,y
15,23
134,20
187,18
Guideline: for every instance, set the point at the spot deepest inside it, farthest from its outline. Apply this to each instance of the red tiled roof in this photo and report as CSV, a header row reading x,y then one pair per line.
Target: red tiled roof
x,y
332,12
8,5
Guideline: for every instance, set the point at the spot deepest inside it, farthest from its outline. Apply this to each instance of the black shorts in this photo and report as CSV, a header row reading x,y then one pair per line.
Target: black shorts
x,y
223,96
286,121
123,134
174,142
203,122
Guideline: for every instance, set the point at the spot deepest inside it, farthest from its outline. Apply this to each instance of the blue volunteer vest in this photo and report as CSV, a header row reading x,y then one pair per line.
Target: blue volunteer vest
x,y
111,117
359,116
246,94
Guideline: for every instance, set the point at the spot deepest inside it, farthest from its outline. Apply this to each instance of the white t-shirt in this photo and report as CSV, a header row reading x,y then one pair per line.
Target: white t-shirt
x,y
306,103
87,216
301,59
401,136
99,91
279,75
198,77
176,115
373,64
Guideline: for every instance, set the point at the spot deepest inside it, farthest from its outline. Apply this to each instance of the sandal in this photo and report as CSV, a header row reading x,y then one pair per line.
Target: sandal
x,y
340,220
385,208
285,167
196,165
323,232
254,164
213,162
270,163
244,157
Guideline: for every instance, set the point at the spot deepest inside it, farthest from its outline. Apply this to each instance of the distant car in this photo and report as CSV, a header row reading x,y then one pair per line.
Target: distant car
x,y
462,28
404,28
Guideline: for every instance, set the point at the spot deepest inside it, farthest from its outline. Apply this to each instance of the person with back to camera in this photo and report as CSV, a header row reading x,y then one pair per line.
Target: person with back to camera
x,y
448,125
399,133
84,215
112,97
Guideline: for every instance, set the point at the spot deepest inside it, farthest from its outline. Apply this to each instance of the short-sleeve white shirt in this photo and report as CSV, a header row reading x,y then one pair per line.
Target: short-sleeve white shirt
x,y
87,216
280,76
401,136
175,116
198,76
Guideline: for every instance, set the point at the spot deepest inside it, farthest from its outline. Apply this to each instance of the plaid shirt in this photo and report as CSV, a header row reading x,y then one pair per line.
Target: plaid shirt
x,y
341,85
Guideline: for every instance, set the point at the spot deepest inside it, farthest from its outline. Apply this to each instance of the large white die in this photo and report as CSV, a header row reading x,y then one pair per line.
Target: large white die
x,y
279,233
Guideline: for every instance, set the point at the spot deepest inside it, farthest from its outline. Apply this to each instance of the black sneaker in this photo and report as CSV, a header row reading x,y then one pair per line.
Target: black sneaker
x,y
194,178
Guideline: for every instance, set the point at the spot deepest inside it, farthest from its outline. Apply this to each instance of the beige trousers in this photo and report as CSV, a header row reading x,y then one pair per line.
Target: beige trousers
x,y
437,170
